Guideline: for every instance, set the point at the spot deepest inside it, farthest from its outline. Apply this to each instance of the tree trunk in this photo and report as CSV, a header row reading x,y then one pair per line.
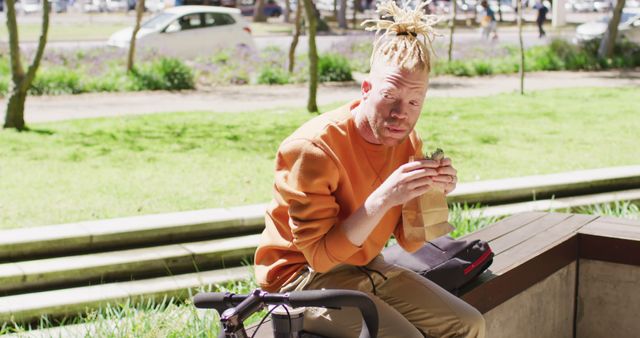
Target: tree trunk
x,y
287,11
132,44
258,12
15,110
342,15
21,81
356,8
454,10
519,18
309,9
609,39
296,36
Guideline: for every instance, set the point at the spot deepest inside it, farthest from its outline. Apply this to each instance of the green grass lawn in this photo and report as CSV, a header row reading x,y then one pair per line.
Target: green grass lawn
x,y
104,168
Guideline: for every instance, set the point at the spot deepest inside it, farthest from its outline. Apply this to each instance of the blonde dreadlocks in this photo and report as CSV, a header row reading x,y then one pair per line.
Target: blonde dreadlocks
x,y
401,43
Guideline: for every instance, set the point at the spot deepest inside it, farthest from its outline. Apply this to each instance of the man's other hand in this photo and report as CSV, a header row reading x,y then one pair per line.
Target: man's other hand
x,y
447,176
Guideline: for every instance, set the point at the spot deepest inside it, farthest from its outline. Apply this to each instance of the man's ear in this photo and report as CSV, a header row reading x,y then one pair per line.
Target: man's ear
x,y
365,88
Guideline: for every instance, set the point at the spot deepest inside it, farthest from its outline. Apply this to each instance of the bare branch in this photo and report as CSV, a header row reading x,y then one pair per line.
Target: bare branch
x,y
17,71
42,42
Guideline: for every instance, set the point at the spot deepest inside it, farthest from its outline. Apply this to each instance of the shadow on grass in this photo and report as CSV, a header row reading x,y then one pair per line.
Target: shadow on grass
x,y
40,131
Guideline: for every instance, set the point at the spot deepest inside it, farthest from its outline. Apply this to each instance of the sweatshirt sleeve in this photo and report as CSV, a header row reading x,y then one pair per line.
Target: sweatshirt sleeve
x,y
306,179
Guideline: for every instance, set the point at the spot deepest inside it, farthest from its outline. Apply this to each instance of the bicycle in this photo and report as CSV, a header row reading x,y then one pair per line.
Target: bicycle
x,y
234,309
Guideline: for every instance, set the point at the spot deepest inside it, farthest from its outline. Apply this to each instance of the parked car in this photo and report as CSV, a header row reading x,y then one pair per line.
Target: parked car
x,y
117,5
632,3
271,8
28,6
189,31
629,27
602,5
584,6
222,3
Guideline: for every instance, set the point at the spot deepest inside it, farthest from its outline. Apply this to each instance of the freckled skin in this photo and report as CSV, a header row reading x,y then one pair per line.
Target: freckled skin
x,y
392,99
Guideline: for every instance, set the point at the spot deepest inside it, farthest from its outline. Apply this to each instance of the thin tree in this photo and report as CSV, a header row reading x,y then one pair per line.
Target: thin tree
x,y
356,9
309,9
132,44
296,36
287,11
519,18
342,14
258,12
21,81
609,39
452,26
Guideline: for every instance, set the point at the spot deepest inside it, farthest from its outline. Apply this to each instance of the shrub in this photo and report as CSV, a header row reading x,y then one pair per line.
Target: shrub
x,y
114,80
482,67
542,58
333,67
163,74
273,75
458,68
507,65
55,81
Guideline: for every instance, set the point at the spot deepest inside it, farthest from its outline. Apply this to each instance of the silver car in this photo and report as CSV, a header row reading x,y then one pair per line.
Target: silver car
x,y
628,28
189,31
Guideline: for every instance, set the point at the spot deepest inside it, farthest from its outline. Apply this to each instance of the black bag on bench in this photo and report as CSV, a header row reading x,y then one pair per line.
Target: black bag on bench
x,y
445,261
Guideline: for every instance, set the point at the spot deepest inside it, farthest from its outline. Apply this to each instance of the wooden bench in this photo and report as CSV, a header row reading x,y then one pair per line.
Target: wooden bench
x,y
560,275
557,275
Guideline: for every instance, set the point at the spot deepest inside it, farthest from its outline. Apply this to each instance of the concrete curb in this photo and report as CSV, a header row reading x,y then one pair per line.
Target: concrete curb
x,y
540,187
55,240
122,265
556,204
69,302
90,236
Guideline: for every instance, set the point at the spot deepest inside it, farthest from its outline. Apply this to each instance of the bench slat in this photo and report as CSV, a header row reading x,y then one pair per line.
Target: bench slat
x,y
524,233
615,220
504,226
603,227
540,242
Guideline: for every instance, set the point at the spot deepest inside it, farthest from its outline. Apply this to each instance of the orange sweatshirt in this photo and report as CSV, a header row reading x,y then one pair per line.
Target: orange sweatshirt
x,y
325,171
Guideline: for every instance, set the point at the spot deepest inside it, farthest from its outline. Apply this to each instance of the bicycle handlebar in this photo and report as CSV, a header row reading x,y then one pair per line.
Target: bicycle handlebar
x,y
220,301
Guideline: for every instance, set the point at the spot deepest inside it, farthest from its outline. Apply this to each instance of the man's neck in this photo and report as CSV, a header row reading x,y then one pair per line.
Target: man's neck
x,y
362,125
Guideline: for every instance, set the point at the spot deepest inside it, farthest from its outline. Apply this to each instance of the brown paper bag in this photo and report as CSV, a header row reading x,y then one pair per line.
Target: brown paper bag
x,y
426,217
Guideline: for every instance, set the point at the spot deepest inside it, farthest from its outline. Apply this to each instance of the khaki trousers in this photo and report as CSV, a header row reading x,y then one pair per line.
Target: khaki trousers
x,y
408,304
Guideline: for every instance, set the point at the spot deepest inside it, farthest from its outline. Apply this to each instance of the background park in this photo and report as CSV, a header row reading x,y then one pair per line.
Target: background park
x,y
98,135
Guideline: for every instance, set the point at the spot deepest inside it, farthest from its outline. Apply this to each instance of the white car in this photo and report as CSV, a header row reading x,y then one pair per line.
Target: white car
x,y
189,31
629,27
28,6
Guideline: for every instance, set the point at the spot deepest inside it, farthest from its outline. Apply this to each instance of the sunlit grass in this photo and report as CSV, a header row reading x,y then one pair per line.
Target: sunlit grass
x,y
166,317
104,168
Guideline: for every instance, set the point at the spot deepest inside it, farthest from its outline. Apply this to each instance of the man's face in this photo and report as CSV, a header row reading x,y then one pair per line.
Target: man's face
x,y
392,99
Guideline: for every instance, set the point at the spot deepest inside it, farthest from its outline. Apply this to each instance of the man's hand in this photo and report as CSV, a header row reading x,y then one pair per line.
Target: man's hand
x,y
407,182
447,177
404,184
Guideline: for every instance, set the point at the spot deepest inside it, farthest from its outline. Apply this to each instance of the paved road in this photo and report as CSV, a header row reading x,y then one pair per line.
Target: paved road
x,y
251,98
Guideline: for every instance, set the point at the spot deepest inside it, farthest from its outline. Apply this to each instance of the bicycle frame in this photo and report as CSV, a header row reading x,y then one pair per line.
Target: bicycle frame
x,y
234,309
